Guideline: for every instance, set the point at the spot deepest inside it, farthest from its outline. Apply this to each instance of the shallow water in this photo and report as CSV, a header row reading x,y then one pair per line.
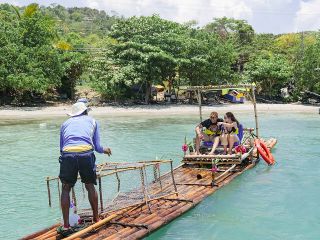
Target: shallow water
x,y
279,202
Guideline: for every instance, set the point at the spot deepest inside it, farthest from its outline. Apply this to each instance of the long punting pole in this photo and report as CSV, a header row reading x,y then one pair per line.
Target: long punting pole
x,y
100,194
49,193
255,110
199,102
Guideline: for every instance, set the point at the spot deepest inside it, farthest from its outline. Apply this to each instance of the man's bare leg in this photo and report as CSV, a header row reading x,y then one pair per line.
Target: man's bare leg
x,y
65,203
216,141
93,199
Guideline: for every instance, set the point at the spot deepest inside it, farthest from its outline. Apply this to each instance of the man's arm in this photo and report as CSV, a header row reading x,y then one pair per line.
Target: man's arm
x,y
96,140
199,129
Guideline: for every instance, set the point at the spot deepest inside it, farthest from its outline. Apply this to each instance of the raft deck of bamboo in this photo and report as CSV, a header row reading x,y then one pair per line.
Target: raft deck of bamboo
x,y
139,221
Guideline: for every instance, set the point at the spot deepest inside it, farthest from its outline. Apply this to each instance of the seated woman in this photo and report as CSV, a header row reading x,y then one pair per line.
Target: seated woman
x,y
229,132
211,133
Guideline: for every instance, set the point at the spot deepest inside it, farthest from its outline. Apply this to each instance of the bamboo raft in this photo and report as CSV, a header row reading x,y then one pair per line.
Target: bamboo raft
x,y
135,222
167,196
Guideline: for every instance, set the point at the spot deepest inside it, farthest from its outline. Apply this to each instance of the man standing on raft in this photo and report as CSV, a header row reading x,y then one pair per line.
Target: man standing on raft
x,y
211,133
79,138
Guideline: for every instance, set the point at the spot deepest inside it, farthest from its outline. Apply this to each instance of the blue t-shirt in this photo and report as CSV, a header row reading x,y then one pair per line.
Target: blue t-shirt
x,y
80,131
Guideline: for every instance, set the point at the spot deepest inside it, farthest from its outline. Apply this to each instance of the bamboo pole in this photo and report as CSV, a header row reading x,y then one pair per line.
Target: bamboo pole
x,y
48,188
144,187
41,232
49,234
215,87
100,194
173,181
223,174
255,110
210,157
158,168
200,107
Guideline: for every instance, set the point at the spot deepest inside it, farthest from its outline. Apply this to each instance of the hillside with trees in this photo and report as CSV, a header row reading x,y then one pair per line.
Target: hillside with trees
x,y
46,52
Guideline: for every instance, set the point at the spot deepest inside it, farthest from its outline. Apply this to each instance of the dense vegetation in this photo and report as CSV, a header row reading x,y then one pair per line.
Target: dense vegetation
x,y
46,52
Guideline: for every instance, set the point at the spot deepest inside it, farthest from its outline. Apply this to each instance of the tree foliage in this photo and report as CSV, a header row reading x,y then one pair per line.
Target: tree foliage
x,y
49,49
270,71
150,50
32,60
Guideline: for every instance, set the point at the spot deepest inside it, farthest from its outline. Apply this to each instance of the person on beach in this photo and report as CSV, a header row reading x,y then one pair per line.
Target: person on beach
x,y
79,138
212,132
229,132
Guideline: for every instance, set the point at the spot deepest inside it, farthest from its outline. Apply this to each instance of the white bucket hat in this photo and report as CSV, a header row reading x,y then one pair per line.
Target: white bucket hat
x,y
77,109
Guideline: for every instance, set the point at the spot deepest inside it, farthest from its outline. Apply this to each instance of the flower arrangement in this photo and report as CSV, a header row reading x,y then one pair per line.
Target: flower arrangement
x,y
187,146
214,169
241,149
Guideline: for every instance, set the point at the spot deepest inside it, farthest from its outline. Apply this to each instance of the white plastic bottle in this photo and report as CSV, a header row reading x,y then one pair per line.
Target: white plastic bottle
x,y
73,217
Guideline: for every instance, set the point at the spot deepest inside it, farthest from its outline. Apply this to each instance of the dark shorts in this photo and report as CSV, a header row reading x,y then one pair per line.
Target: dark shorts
x,y
72,163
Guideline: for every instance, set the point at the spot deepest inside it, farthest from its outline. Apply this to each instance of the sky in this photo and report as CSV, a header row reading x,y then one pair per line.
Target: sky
x,y
266,16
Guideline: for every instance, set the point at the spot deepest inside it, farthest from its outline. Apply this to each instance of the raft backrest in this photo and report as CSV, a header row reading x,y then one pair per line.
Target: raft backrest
x,y
240,134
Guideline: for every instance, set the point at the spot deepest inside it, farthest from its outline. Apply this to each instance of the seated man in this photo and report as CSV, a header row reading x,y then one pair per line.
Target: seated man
x,y
211,133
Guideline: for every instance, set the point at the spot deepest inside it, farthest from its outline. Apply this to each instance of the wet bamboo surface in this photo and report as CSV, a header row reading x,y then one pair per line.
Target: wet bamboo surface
x,y
137,222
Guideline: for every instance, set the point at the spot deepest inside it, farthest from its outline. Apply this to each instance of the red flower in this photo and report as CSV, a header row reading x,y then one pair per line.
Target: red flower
x,y
184,147
241,149
214,169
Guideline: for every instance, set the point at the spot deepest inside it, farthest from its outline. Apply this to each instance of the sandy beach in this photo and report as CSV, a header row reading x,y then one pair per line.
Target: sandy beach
x,y
7,113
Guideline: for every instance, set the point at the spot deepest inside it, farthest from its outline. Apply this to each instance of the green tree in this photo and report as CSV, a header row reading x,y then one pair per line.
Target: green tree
x,y
28,62
240,33
307,69
270,72
154,50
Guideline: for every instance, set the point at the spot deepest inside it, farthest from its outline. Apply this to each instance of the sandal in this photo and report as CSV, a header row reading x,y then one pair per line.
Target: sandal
x,y
65,232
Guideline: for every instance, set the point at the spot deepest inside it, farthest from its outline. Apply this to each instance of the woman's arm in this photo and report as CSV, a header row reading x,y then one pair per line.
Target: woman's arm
x,y
228,125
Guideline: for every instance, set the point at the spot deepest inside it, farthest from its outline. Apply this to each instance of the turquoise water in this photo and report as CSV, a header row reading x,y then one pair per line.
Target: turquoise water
x,y
279,202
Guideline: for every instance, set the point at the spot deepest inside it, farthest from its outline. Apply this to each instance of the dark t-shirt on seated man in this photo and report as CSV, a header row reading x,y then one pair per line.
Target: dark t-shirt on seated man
x,y
208,123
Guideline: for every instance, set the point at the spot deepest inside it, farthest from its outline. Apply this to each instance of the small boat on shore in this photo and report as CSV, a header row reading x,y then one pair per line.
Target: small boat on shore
x,y
152,199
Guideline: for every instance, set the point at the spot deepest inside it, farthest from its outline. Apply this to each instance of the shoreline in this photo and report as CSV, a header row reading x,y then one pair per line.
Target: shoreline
x,y
24,113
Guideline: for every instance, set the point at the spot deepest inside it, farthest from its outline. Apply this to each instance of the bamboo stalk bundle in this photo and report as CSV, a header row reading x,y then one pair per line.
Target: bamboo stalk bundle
x,y
43,231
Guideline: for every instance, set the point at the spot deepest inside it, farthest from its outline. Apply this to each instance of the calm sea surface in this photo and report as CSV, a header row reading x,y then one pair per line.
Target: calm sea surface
x,y
279,202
